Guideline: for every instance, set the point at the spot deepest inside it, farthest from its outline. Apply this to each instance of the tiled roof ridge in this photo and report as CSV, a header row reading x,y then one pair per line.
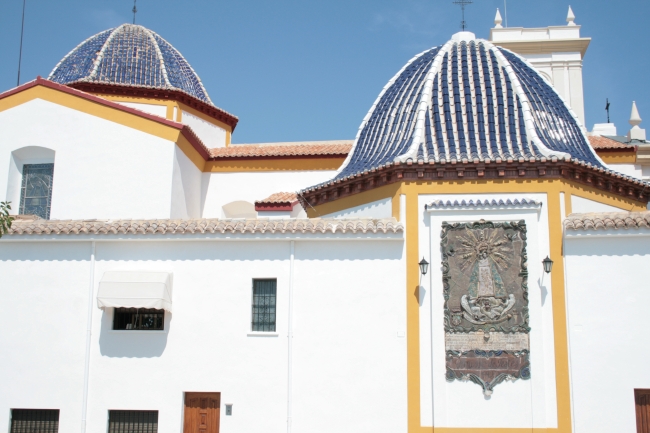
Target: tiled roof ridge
x,y
298,149
601,142
607,221
205,226
521,168
279,197
442,204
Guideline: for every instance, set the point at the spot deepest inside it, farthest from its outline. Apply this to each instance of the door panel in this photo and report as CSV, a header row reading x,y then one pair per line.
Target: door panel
x,y
202,410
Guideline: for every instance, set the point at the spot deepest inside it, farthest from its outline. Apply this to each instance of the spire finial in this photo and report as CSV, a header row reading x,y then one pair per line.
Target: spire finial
x,y
134,10
462,4
498,20
635,119
570,17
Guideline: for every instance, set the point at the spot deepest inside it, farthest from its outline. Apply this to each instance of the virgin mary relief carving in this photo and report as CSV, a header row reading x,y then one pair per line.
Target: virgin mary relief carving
x,y
486,302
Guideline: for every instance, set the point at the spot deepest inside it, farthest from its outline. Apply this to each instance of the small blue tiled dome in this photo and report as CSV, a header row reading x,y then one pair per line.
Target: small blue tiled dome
x,y
467,100
129,55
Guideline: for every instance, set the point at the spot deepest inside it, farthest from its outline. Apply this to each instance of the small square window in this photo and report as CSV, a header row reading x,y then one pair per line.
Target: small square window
x,y
142,319
264,305
132,421
34,421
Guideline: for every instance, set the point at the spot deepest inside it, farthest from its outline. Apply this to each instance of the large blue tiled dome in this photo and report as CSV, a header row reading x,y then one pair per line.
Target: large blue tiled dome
x,y
467,100
129,55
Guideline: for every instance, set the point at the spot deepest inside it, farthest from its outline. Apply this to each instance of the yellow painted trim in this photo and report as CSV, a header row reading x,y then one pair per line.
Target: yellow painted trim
x,y
603,197
205,117
289,164
568,206
365,197
90,107
189,151
618,157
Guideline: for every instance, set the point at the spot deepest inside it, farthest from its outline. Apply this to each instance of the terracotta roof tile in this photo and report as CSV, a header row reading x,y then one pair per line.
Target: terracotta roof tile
x,y
600,142
206,226
280,198
607,221
298,149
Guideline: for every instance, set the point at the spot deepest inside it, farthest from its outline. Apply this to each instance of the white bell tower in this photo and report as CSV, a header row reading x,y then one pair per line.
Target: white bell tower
x,y
555,51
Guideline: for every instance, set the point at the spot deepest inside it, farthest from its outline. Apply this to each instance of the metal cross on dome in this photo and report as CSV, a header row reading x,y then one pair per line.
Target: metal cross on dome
x,y
462,4
134,10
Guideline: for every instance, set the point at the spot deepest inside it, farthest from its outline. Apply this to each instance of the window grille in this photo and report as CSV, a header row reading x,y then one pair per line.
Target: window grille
x,y
34,421
144,319
264,305
132,421
36,190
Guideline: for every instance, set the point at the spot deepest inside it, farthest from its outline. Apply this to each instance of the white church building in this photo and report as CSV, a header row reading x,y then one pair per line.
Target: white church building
x,y
456,267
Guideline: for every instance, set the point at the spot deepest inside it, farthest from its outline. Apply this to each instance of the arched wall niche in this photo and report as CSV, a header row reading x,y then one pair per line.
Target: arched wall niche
x,y
20,157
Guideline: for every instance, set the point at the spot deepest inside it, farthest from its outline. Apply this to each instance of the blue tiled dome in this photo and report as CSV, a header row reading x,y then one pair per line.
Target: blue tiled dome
x,y
467,100
129,55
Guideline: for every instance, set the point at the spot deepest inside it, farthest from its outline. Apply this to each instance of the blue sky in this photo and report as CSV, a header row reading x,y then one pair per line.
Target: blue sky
x,y
310,70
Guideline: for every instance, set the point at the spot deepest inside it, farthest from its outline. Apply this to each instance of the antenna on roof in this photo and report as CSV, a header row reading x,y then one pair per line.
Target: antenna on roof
x,y
134,10
462,4
20,55
607,109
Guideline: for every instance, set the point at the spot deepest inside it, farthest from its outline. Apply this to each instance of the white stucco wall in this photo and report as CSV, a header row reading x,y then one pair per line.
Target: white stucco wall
x,y
584,205
102,169
219,189
158,110
607,297
349,354
634,170
185,187
377,209
210,134
519,404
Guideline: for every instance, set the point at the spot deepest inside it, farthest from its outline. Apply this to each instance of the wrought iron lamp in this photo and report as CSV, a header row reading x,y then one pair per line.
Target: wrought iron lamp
x,y
548,265
424,266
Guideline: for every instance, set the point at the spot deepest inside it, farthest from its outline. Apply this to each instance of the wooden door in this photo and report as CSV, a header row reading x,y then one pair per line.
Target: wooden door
x,y
642,402
202,412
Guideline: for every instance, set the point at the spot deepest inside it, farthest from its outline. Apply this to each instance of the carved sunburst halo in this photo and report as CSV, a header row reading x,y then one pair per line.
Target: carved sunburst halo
x,y
488,244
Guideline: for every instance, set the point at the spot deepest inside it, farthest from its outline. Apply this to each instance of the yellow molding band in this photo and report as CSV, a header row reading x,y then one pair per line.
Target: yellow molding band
x,y
90,107
365,197
618,157
288,164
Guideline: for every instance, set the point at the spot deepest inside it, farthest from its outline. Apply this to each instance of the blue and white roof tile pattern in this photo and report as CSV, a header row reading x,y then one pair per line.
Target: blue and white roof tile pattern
x,y
129,55
467,100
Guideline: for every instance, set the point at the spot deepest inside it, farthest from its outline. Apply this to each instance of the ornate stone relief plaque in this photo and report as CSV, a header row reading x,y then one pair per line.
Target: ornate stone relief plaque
x,y
485,282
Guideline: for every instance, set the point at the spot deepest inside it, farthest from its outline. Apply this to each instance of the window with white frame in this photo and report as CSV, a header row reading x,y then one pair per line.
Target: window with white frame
x,y
264,305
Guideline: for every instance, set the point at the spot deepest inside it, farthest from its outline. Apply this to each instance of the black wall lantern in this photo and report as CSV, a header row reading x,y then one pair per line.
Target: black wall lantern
x,y
424,266
548,265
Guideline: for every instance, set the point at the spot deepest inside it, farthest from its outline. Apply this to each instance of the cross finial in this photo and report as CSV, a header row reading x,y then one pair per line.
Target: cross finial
x,y
462,4
607,109
134,10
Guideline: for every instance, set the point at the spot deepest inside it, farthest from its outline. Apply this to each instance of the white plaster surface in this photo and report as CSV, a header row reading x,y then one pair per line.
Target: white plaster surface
x,y
210,134
158,110
607,298
377,209
219,189
520,404
584,205
346,317
102,169
186,185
